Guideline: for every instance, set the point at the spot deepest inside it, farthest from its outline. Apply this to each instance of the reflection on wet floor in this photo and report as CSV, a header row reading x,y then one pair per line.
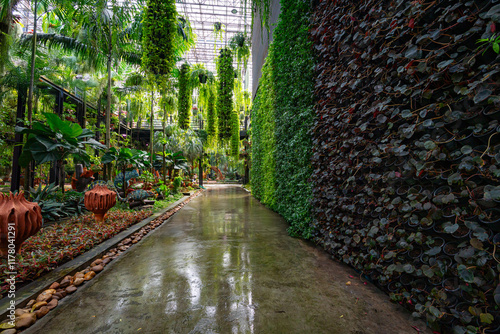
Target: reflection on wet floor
x,y
222,264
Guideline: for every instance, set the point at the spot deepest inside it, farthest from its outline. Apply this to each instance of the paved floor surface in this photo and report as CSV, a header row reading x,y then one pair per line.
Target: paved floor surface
x,y
224,264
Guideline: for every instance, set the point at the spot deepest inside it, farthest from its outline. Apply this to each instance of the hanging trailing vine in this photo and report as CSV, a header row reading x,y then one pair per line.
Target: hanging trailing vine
x,y
218,34
263,8
240,44
235,135
211,117
184,118
159,32
225,85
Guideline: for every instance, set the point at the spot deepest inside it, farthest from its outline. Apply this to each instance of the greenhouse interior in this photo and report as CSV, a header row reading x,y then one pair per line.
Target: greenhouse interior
x,y
285,166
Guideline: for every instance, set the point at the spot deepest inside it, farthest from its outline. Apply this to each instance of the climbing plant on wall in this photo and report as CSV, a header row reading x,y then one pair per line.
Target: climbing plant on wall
x,y
159,32
262,175
282,118
405,158
184,114
225,84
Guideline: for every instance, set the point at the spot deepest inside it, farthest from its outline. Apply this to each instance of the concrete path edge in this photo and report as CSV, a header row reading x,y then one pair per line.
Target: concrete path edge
x,y
28,292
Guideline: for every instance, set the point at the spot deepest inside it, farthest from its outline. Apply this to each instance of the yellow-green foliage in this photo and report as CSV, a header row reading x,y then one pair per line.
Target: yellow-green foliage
x,y
159,32
184,119
235,135
263,143
282,119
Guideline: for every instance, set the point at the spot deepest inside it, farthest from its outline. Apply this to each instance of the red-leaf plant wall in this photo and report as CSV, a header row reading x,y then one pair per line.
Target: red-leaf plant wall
x,y
406,152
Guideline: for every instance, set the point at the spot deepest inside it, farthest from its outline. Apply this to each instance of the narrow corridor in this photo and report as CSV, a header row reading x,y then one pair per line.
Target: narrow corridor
x,y
224,264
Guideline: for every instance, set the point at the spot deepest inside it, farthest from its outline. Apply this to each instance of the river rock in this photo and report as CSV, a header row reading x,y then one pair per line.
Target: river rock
x,y
45,296
97,268
54,285
78,281
9,331
89,275
65,283
42,312
78,275
70,289
106,261
96,262
38,305
31,303
52,304
25,320
20,311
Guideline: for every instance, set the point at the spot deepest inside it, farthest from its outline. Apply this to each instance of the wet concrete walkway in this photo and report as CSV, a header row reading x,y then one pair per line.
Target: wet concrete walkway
x,y
224,264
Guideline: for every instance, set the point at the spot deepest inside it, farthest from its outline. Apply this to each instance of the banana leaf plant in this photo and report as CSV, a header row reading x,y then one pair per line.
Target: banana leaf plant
x,y
55,142
124,158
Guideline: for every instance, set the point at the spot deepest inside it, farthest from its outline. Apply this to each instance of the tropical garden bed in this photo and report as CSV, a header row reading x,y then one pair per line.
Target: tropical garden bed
x,y
62,241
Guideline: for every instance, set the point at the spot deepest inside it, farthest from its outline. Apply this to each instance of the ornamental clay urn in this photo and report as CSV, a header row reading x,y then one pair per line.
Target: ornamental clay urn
x,y
99,200
19,220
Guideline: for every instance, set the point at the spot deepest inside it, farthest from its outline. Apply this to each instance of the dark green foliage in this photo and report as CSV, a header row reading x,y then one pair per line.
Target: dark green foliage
x,y
177,184
211,117
405,159
235,136
262,175
159,31
225,73
56,206
184,104
281,121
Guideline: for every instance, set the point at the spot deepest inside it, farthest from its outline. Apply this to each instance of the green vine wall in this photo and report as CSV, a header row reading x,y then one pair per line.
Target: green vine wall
x,y
225,73
184,112
406,177
159,32
282,118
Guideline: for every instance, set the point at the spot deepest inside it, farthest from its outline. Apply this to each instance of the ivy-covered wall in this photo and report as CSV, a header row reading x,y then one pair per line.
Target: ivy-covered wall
x,y
406,152
282,118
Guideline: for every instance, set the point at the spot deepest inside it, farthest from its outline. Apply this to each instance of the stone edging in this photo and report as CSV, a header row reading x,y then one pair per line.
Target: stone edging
x,y
117,245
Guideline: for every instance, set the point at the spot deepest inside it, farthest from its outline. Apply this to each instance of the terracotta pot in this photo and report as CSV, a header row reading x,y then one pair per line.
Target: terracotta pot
x,y
99,200
25,217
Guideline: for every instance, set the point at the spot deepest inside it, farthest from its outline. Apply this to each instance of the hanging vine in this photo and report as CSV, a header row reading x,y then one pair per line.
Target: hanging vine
x,y
211,117
184,118
159,32
240,44
235,134
225,86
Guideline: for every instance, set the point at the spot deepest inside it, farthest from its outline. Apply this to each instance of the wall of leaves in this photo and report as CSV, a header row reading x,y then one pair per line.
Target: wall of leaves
x,y
406,150
281,119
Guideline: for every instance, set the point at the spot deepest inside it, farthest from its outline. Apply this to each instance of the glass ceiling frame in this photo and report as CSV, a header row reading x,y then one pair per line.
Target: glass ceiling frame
x,y
202,14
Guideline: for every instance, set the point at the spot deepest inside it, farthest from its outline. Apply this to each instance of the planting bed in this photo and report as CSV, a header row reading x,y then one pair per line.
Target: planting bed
x,y
28,312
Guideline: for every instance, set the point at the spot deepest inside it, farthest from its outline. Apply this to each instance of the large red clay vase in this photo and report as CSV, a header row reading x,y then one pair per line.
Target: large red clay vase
x,y
19,220
99,200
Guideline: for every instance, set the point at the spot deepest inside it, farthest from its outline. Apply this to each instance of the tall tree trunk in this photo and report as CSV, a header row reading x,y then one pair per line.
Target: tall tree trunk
x,y
5,25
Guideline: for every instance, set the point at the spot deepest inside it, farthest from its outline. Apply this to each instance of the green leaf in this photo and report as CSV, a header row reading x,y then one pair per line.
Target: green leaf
x,y
434,311
496,47
486,317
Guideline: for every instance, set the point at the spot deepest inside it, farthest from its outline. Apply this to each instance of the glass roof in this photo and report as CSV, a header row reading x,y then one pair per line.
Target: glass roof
x,y
203,14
